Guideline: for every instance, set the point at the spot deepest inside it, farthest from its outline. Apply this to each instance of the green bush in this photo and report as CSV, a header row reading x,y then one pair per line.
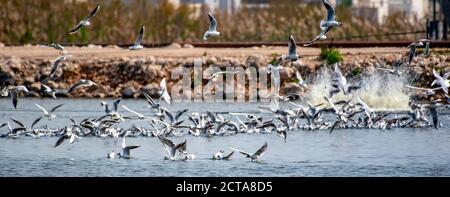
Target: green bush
x,y
330,55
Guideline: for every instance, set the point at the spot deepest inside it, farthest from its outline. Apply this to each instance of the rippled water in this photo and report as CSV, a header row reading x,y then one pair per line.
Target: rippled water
x,y
398,152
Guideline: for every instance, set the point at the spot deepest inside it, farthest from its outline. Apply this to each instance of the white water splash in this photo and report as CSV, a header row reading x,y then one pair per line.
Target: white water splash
x,y
380,91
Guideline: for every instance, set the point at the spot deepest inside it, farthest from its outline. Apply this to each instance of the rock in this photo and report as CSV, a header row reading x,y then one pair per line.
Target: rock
x,y
152,89
286,74
35,86
292,88
93,46
112,47
2,45
174,46
128,92
189,46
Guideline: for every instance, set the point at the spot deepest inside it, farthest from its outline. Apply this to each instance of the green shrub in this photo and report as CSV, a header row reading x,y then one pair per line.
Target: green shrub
x,y
330,55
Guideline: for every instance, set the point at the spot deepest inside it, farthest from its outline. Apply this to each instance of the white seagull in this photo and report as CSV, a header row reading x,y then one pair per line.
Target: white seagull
x,y
126,149
81,83
292,53
14,92
428,91
163,91
255,156
49,114
212,31
57,47
56,62
443,82
137,44
85,22
326,25
221,73
413,47
140,116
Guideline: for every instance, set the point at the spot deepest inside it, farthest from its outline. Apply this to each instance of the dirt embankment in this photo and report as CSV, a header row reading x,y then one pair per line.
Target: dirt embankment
x,y
121,73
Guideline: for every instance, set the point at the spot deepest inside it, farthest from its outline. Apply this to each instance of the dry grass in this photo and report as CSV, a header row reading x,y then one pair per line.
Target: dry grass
x,y
44,21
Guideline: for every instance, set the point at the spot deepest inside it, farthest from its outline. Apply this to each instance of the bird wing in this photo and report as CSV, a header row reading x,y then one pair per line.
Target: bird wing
x,y
43,109
56,107
213,23
165,95
228,156
412,53
166,141
116,104
180,113
242,152
35,122
47,88
292,46
330,10
131,111
78,27
18,122
55,65
140,36
334,125
60,141
170,115
74,86
261,150
14,98
93,12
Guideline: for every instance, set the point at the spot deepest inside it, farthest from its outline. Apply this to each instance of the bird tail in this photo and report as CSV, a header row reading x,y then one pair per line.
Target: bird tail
x,y
323,24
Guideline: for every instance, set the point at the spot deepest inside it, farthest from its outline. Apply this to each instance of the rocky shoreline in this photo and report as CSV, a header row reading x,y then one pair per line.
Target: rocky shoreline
x,y
124,76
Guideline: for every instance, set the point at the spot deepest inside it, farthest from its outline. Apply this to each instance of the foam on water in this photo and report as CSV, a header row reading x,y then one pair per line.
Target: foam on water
x,y
380,91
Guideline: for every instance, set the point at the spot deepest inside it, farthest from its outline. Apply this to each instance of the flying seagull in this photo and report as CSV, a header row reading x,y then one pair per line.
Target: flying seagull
x,y
140,116
443,81
212,31
81,83
14,92
85,22
55,65
68,135
164,92
57,47
391,71
137,44
292,53
428,91
327,25
221,73
255,156
49,114
413,47
219,155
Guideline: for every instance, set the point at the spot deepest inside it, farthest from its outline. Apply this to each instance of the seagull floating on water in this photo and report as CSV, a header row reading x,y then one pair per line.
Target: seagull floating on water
x,y
86,21
126,149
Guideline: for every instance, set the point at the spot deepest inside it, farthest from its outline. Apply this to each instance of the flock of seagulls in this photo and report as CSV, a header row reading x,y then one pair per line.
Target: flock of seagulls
x,y
350,113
